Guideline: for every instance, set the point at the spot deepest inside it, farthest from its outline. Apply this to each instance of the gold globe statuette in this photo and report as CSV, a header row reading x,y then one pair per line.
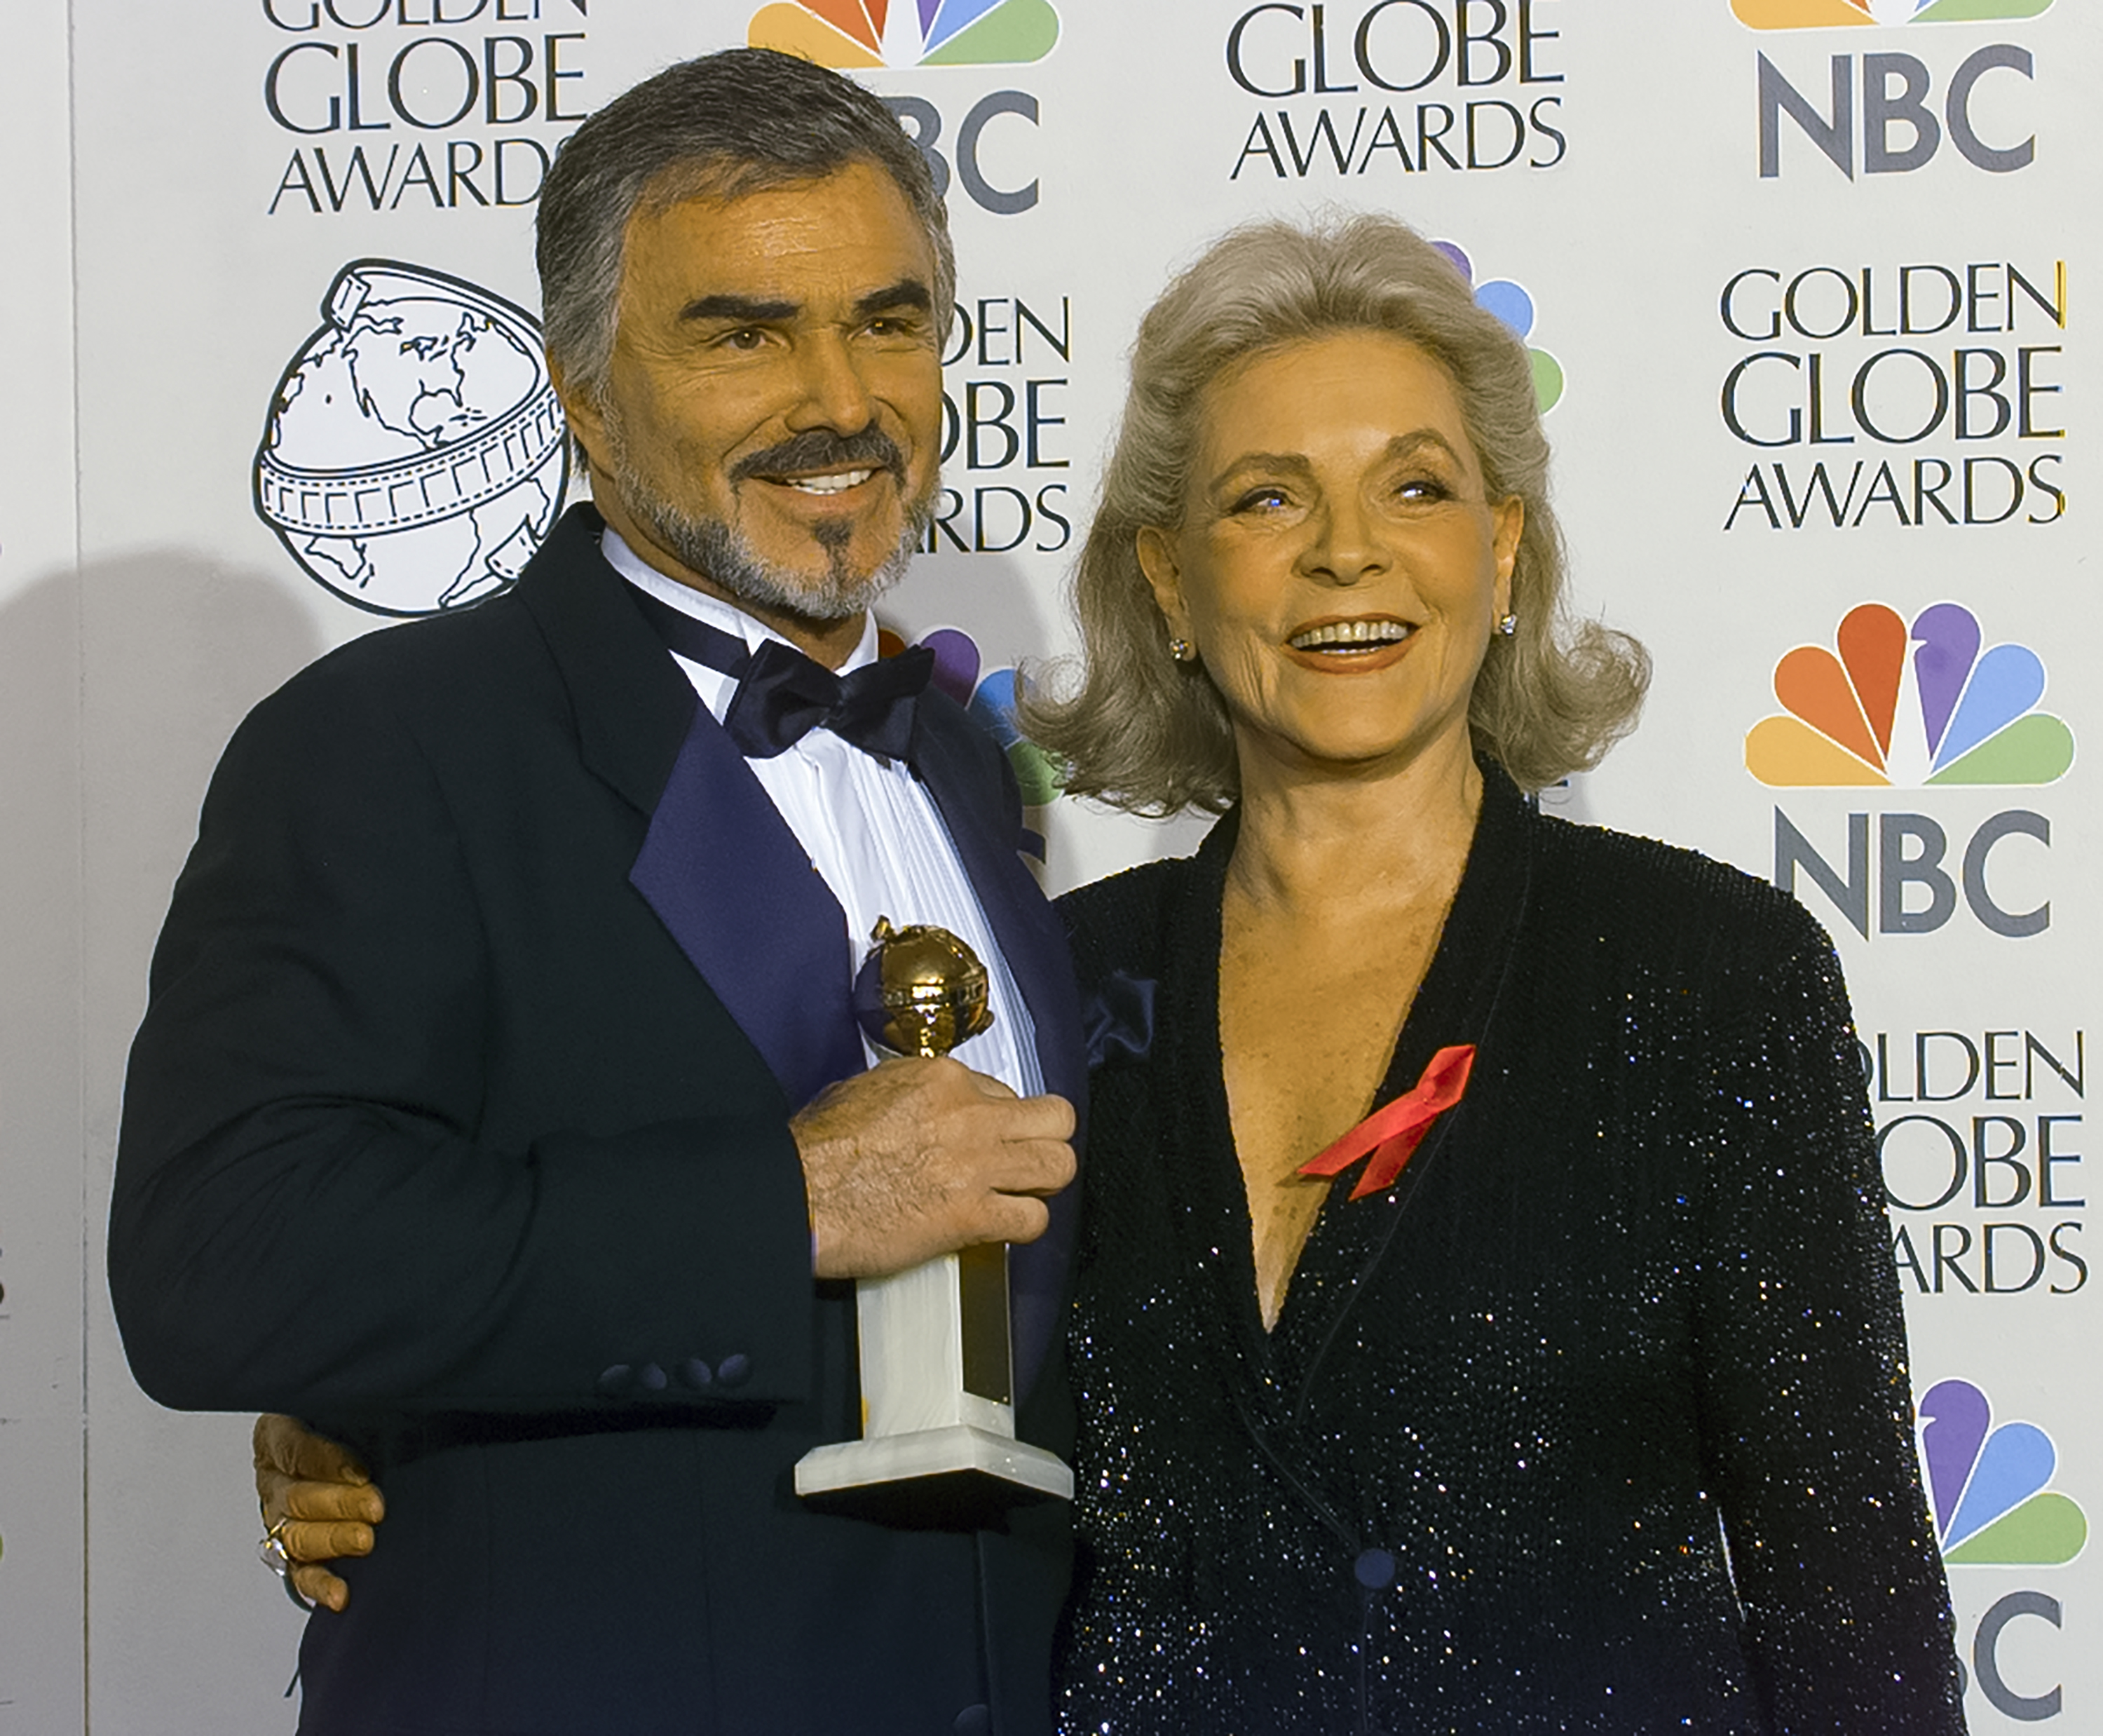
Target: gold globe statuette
x,y
937,1362
922,990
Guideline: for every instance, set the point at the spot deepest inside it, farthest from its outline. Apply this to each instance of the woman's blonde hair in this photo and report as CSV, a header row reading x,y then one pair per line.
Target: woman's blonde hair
x,y
1142,731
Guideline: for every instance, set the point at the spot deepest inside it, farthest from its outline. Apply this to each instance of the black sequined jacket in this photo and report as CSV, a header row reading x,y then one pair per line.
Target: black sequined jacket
x,y
1599,1420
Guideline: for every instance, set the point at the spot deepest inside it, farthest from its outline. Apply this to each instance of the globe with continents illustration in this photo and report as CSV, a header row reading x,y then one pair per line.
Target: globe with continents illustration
x,y
414,455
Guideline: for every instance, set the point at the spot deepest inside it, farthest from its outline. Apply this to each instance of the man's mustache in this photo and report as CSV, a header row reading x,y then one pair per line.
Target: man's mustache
x,y
820,451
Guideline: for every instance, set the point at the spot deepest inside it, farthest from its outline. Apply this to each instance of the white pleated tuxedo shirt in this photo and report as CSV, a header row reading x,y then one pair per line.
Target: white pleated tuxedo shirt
x,y
868,826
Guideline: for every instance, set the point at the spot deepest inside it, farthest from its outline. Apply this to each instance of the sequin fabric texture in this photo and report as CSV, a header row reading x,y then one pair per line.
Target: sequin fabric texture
x,y
1599,1420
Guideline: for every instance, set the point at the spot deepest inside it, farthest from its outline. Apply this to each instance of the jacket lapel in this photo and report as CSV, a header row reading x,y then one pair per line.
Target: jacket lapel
x,y
631,706
718,864
1456,1003
953,758
729,881
1196,1127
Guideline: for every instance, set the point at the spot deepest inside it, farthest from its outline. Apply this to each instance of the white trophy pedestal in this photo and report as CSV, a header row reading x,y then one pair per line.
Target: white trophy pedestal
x,y
938,1419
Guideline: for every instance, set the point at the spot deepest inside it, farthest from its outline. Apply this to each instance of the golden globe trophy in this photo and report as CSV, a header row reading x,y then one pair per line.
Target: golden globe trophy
x,y
937,1364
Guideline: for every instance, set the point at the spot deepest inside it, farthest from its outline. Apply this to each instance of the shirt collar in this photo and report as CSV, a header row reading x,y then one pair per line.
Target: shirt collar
x,y
713,611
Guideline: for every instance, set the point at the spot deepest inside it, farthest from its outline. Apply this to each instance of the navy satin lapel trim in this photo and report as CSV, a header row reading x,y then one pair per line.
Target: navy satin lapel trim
x,y
1033,943
737,892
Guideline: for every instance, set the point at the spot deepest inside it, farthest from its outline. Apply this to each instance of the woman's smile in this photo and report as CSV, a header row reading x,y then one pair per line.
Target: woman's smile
x,y
1354,643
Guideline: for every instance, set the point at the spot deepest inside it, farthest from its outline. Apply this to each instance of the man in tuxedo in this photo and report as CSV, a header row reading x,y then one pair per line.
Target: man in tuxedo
x,y
499,1107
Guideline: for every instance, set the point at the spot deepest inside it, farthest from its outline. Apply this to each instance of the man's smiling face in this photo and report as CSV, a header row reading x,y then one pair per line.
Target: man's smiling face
x,y
771,422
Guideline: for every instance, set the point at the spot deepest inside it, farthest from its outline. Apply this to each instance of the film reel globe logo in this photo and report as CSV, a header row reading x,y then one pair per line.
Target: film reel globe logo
x,y
414,457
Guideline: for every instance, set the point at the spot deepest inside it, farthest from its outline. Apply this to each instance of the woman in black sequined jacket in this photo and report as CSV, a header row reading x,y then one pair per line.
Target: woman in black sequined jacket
x,y
1590,1411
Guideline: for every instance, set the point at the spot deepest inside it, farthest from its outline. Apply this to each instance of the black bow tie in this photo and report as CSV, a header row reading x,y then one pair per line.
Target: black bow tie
x,y
783,695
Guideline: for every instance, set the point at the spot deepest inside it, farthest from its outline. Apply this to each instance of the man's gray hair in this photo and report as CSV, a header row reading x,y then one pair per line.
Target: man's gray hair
x,y
722,126
1145,732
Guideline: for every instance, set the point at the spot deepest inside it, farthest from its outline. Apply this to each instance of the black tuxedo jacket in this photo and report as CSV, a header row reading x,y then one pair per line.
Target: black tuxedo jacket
x,y
458,1124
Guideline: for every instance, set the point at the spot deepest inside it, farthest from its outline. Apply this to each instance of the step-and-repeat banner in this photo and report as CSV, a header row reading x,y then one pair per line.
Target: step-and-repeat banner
x,y
1807,286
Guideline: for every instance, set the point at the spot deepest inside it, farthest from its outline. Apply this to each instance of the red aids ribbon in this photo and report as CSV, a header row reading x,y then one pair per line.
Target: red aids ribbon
x,y
1393,1134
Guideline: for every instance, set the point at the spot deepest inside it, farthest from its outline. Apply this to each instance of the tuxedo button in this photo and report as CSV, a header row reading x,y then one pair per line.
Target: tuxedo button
x,y
735,1369
974,1720
650,1377
695,1374
613,1381
1374,1569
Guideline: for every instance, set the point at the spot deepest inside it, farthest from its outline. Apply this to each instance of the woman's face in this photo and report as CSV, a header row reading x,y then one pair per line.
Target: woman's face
x,y
1339,566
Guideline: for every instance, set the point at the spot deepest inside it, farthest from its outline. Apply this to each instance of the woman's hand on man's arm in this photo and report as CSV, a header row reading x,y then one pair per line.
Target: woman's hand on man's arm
x,y
318,1501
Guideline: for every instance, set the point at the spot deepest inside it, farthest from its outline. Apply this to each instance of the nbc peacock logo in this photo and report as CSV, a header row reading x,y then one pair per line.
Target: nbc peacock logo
x,y
1511,304
1987,1485
1867,713
988,698
854,34
1816,14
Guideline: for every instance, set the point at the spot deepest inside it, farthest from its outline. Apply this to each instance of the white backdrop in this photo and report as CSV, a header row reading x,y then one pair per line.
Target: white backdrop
x,y
1812,275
